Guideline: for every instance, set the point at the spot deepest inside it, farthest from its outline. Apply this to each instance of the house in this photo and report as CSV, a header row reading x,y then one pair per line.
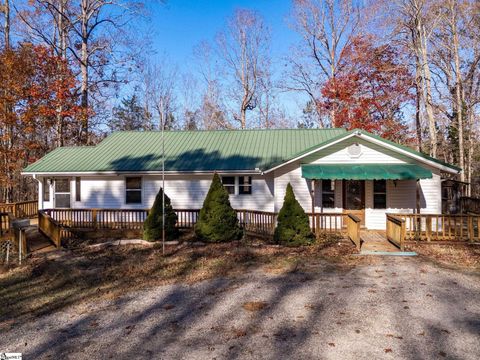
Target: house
x,y
331,170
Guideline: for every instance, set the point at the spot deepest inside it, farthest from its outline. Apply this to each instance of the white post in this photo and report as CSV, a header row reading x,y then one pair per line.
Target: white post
x,y
20,247
162,120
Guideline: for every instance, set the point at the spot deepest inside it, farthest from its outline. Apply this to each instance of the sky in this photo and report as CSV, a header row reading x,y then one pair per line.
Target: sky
x,y
179,25
182,24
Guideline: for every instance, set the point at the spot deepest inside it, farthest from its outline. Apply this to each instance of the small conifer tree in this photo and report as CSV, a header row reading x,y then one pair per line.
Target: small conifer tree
x,y
152,228
217,221
293,227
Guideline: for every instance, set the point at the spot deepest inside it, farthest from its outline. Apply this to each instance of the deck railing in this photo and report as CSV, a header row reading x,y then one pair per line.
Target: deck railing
x,y
353,229
327,222
469,205
254,222
440,227
22,209
396,230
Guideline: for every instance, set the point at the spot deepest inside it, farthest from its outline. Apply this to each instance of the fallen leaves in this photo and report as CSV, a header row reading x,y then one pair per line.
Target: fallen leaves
x,y
254,305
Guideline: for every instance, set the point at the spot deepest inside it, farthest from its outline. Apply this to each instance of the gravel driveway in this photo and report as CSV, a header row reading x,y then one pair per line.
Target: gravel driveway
x,y
396,308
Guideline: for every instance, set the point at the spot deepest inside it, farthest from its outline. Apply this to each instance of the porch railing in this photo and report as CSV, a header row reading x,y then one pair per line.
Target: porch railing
x,y
469,205
22,209
440,227
254,222
353,229
396,230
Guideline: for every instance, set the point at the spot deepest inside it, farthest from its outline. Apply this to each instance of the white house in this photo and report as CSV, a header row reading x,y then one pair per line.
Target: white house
x,y
331,170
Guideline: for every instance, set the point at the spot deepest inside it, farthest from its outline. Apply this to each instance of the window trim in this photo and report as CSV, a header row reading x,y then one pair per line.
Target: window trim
x,y
249,185
236,185
132,190
384,193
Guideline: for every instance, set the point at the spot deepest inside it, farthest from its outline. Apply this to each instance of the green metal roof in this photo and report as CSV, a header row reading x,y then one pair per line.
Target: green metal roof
x,y
221,150
365,171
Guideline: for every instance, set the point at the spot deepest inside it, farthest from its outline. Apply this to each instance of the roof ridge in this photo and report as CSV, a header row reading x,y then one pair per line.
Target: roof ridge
x,y
219,130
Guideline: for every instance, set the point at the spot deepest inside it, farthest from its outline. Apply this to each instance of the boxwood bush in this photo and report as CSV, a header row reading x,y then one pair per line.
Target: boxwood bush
x,y
217,221
293,227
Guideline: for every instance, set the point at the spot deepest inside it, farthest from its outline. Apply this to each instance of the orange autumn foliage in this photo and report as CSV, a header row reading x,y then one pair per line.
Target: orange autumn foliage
x,y
370,90
38,110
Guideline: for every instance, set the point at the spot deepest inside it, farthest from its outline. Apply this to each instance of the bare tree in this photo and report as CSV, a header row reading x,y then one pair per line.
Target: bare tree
x,y
93,34
159,84
243,47
326,28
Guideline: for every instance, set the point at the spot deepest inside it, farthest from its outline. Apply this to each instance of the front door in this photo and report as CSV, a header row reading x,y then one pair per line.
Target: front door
x,y
62,193
354,198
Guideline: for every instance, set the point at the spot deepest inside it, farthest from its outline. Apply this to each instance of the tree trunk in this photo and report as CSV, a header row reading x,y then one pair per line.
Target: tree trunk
x,y
84,136
458,91
418,102
432,126
6,24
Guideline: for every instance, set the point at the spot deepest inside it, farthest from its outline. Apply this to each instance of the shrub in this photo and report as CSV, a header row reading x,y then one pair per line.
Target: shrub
x,y
152,228
217,220
293,227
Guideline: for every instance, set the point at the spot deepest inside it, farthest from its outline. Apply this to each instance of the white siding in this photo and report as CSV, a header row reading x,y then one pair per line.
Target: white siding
x,y
185,192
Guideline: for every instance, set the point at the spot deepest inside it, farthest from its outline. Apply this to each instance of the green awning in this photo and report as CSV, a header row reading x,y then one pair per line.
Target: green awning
x,y
365,171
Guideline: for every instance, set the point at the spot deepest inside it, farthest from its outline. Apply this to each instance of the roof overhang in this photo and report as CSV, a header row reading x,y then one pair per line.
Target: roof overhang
x,y
365,172
132,172
373,140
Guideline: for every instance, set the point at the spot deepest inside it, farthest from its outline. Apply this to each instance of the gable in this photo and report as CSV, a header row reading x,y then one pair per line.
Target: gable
x,y
374,150
345,152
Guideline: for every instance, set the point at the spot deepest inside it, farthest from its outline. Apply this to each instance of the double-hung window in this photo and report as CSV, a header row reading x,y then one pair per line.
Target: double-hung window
x,y
379,194
245,185
229,184
237,185
133,190
328,193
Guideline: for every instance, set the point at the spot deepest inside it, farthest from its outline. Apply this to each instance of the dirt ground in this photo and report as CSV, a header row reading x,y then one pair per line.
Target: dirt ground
x,y
233,300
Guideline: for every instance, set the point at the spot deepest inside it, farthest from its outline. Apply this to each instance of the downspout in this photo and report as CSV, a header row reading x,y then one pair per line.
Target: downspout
x,y
40,193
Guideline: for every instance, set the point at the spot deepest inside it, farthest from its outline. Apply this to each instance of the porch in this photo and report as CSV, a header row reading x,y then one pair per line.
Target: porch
x,y
61,224
371,191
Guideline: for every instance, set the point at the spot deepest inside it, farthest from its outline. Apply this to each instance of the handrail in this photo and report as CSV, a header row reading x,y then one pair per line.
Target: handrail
x,y
440,227
49,227
353,229
396,230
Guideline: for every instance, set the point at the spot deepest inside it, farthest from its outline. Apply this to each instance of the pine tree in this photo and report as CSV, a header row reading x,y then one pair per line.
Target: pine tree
x,y
217,220
152,228
293,227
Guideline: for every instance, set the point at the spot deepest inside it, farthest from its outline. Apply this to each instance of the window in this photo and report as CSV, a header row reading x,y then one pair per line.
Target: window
x,y
379,194
328,193
62,193
46,190
78,196
229,183
133,190
245,185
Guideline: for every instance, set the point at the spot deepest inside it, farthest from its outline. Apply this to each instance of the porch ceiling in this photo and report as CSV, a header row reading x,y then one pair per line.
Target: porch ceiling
x,y
365,171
